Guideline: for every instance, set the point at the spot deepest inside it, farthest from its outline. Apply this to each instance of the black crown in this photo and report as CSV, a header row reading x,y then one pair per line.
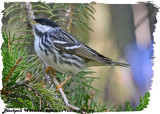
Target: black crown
x,y
47,22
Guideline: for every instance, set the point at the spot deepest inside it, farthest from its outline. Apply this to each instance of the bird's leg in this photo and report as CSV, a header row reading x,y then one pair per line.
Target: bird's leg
x,y
60,85
50,70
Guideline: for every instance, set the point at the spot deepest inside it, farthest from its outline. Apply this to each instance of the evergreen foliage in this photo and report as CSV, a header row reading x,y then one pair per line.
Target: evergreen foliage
x,y
143,104
24,84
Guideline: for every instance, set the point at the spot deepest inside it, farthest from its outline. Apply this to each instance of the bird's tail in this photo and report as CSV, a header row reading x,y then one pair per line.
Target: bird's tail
x,y
110,62
113,63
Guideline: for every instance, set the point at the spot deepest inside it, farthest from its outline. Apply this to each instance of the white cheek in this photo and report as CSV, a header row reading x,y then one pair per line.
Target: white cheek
x,y
43,28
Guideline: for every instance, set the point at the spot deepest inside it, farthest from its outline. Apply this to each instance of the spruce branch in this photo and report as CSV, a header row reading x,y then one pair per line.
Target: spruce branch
x,y
8,76
70,18
14,67
48,97
30,10
51,73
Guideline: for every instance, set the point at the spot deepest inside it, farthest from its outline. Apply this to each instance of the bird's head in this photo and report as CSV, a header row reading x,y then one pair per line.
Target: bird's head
x,y
43,24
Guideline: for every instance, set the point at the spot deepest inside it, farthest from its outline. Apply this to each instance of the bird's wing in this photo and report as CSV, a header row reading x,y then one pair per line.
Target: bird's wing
x,y
82,51
63,41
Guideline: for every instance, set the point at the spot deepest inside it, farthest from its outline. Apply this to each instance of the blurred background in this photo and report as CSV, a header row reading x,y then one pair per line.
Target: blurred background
x,y
123,32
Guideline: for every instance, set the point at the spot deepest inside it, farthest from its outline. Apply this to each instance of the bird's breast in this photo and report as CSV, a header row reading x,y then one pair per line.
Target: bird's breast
x,y
60,61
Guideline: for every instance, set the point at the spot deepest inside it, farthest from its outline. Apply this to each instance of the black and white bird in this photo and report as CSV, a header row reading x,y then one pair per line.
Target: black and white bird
x,y
61,51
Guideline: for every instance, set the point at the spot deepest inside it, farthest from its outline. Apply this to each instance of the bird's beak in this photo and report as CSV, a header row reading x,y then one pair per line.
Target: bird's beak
x,y
32,20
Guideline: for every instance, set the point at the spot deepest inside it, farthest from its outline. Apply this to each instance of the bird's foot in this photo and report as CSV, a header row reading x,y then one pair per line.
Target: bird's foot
x,y
61,85
50,70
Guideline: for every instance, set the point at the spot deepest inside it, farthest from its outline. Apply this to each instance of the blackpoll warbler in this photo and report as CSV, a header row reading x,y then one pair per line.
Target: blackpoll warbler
x,y
61,51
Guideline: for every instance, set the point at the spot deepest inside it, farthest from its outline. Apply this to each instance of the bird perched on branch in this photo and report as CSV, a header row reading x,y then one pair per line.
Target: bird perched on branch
x,y
61,51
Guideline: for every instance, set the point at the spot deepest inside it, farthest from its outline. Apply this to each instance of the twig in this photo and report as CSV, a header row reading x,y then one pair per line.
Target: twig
x,y
70,18
65,98
23,83
38,94
91,94
13,95
9,39
8,76
40,102
63,95
11,71
30,10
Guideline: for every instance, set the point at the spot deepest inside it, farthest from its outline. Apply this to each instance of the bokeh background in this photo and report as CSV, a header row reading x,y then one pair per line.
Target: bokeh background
x,y
123,32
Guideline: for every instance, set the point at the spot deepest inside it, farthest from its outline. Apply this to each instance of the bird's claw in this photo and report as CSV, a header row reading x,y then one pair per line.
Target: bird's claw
x,y
50,70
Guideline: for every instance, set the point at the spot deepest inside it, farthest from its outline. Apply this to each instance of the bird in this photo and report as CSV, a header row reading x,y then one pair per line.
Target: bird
x,y
61,51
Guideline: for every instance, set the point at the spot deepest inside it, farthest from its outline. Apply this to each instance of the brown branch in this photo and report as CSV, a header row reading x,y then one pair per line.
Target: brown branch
x,y
91,94
40,102
8,76
23,83
16,95
70,18
30,10
30,13
14,67
6,92
52,74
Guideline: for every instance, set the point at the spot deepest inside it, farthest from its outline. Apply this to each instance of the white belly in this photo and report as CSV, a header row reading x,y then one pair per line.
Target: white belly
x,y
49,60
